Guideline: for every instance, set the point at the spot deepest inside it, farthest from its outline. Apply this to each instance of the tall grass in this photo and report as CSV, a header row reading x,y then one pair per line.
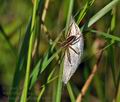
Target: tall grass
x,y
39,64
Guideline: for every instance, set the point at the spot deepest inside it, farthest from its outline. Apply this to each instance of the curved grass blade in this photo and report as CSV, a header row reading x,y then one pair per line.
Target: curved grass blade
x,y
46,63
26,82
59,84
71,94
41,66
111,58
100,14
115,38
7,40
71,2
20,65
118,94
84,10
49,79
35,73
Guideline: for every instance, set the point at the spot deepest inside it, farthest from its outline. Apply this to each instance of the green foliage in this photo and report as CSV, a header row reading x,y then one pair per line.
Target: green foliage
x,y
43,69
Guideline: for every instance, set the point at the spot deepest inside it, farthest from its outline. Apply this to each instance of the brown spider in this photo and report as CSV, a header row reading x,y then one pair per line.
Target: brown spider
x,y
70,40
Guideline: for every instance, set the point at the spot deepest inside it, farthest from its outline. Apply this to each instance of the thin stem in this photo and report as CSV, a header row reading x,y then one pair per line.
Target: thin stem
x,y
25,88
89,80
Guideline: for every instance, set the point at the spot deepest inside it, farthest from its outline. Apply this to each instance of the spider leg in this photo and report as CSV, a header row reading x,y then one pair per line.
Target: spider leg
x,y
74,50
68,55
77,40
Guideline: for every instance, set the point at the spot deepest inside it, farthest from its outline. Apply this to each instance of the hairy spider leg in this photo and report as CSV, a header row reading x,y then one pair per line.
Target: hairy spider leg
x,y
68,34
68,55
74,50
77,40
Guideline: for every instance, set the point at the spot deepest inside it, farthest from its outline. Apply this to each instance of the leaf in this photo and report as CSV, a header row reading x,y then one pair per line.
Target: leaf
x,y
100,14
84,10
49,79
34,74
29,57
115,38
71,94
7,40
47,62
20,65
59,84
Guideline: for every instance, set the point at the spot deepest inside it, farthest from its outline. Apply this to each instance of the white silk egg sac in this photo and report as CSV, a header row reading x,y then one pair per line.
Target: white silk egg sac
x,y
74,50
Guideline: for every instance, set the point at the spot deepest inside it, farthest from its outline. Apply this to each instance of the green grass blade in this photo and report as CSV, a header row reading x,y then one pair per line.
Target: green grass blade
x,y
71,94
34,74
100,14
67,24
118,94
49,79
71,2
84,10
44,87
113,21
50,75
59,84
20,65
112,37
55,42
111,58
112,64
49,60
37,69
7,40
41,93
41,67
26,82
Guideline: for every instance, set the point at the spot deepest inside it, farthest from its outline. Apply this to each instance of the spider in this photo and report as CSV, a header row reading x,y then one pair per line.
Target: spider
x,y
70,40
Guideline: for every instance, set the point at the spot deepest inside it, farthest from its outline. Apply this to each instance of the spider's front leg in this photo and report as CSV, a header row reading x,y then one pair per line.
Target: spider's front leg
x,y
74,50
77,40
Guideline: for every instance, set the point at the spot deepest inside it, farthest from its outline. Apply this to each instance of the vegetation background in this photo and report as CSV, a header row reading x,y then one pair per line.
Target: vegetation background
x,y
30,57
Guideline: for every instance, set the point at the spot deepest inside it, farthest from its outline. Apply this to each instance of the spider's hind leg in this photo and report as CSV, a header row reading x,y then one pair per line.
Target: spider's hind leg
x,y
74,50
68,55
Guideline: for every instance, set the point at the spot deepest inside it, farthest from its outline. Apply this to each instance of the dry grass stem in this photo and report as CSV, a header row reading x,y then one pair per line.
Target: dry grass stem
x,y
94,70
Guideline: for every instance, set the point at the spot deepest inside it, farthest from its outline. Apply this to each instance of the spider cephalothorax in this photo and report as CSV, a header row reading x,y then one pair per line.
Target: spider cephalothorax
x,y
70,40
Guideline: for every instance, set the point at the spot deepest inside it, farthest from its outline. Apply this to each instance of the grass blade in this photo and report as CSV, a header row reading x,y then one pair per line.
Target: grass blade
x,y
84,10
100,14
71,2
34,74
49,79
115,38
59,85
7,40
71,94
25,88
41,93
21,64
49,60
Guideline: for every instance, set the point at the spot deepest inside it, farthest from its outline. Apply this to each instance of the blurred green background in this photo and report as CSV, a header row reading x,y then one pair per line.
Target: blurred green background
x,y
14,17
